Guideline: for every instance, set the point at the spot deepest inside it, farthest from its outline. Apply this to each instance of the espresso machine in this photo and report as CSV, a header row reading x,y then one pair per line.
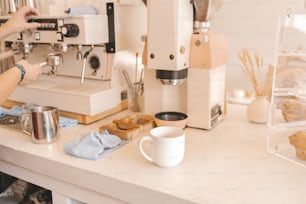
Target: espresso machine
x,y
185,69
85,81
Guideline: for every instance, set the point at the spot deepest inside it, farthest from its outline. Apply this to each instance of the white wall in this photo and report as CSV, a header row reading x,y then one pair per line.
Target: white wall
x,y
246,23
250,24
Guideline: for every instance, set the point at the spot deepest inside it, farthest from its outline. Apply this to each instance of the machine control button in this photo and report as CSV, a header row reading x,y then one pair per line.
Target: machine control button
x,y
60,22
19,37
37,36
46,24
59,36
70,30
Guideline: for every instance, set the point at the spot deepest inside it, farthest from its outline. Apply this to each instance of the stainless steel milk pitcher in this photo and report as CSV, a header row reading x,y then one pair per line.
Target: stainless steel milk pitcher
x,y
44,122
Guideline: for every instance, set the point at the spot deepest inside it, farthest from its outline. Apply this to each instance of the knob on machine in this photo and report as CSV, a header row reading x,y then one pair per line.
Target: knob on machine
x,y
70,30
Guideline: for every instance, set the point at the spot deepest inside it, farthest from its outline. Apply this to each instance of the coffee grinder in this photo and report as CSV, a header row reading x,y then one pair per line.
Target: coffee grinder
x,y
206,104
185,69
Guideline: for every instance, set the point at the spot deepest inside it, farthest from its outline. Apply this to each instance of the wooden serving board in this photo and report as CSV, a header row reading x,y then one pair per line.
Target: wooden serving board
x,y
83,119
130,127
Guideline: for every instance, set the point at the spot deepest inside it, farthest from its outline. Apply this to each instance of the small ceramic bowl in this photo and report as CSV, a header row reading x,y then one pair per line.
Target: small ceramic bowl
x,y
176,119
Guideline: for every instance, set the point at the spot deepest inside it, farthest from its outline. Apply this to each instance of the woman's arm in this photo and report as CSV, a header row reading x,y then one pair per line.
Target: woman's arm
x,y
13,76
23,71
8,82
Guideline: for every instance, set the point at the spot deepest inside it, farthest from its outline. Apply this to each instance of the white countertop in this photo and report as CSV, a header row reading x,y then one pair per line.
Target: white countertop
x,y
228,164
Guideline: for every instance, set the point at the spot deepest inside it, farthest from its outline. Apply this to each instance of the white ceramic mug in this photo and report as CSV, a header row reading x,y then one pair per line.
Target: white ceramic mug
x,y
167,146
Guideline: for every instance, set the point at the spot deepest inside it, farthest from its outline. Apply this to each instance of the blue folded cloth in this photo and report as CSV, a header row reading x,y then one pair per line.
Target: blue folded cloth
x,y
14,111
67,122
93,145
82,10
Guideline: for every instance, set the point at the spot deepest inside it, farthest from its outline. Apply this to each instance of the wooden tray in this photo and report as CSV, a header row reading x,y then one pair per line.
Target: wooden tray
x,y
81,118
130,127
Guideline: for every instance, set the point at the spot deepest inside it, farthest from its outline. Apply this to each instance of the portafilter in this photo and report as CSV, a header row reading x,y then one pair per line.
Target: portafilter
x,y
54,60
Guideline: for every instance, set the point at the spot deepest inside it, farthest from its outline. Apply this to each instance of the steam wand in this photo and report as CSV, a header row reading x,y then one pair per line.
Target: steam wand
x,y
84,63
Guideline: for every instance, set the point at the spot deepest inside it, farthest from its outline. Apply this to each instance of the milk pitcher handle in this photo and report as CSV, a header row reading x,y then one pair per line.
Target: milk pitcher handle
x,y
25,123
145,138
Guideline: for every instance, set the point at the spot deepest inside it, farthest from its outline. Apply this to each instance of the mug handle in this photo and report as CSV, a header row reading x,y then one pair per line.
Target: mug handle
x,y
144,138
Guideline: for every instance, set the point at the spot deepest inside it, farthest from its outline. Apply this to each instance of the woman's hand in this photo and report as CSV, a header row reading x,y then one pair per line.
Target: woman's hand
x,y
32,71
19,20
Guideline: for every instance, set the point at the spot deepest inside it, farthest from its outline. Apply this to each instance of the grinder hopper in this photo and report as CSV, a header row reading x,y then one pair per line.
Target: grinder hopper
x,y
204,10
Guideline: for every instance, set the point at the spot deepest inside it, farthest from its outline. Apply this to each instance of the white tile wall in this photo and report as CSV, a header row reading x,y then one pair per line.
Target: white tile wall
x,y
246,23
